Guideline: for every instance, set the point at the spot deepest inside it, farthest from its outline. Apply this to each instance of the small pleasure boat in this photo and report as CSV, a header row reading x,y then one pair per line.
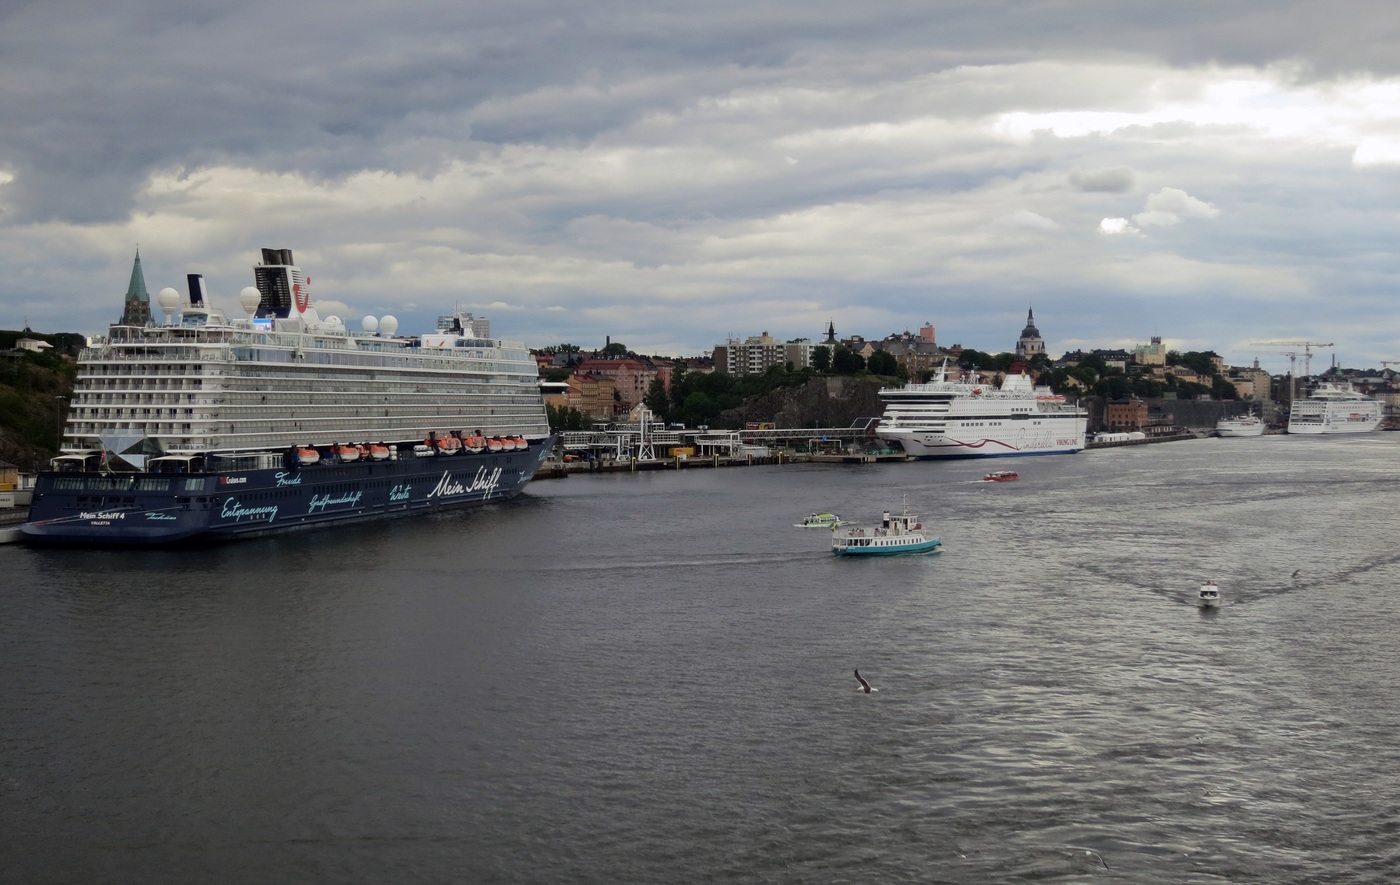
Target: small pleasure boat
x,y
1209,594
895,534
1001,476
819,521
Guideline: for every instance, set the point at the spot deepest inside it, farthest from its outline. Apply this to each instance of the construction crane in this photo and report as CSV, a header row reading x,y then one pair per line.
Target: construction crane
x,y
1307,350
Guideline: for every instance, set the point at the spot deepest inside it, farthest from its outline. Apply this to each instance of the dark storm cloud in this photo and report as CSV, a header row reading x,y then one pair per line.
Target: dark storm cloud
x,y
98,96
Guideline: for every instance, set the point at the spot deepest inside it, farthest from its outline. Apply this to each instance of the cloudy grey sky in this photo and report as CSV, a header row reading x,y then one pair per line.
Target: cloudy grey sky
x,y
672,174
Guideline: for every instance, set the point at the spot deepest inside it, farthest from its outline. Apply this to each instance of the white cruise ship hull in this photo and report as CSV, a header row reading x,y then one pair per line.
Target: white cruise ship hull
x,y
1338,424
960,419
1034,437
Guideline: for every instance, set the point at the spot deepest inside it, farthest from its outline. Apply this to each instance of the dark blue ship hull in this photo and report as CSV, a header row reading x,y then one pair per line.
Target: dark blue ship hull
x,y
134,509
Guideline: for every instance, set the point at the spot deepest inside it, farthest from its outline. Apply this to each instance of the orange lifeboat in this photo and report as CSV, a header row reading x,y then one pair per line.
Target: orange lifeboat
x,y
521,443
449,445
495,444
379,452
346,453
307,456
475,444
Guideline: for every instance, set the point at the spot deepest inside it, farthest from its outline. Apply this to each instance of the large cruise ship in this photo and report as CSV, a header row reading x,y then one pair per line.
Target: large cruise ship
x,y
961,419
1335,408
205,426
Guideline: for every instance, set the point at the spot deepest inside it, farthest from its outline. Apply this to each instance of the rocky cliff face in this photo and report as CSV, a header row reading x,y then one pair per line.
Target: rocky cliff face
x,y
822,402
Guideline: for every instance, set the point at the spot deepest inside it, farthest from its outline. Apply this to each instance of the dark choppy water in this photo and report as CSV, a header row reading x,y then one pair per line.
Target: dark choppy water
x,y
648,679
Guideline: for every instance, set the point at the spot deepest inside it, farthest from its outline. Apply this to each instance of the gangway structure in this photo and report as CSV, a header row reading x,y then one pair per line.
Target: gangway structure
x,y
644,439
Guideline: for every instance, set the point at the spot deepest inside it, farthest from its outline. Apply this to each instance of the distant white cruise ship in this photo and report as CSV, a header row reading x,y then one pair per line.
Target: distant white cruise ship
x,y
960,419
1335,408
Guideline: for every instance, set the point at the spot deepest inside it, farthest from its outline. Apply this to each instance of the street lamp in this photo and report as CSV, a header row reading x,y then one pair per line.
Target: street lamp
x,y
58,414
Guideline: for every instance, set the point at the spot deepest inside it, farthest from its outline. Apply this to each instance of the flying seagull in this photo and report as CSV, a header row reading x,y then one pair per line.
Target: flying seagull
x,y
864,686
1296,571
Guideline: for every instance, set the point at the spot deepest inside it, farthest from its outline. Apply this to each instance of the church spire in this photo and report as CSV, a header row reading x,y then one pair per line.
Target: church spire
x,y
136,310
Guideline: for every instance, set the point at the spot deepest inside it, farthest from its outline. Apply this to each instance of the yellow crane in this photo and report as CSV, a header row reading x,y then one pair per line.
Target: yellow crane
x,y
1307,350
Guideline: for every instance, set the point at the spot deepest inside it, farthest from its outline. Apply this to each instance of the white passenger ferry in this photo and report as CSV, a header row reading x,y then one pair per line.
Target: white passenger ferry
x,y
1335,408
1240,425
947,418
902,533
204,426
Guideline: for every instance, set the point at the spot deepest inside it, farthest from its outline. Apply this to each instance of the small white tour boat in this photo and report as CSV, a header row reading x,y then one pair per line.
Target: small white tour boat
x,y
819,521
895,534
1209,594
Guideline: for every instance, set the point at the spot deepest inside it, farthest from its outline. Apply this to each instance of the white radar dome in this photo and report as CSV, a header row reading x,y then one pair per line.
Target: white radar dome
x,y
388,324
369,324
250,298
168,299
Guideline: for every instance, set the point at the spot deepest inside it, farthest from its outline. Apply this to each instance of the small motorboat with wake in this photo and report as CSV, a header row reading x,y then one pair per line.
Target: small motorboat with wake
x,y
1209,594
1001,476
819,521
895,534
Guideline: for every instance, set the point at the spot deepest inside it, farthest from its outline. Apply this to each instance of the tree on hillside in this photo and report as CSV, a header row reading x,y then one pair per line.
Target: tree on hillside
x,y
847,361
882,363
821,358
1197,362
657,399
616,348
987,362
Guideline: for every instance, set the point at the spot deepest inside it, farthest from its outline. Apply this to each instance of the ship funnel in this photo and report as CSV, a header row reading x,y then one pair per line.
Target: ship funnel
x,y
199,296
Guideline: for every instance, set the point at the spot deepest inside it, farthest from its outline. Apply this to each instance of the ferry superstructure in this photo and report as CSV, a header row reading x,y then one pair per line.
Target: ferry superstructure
x,y
948,418
209,427
1335,408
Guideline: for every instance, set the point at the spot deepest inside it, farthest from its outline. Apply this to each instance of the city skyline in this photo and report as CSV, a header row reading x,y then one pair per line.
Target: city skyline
x,y
672,178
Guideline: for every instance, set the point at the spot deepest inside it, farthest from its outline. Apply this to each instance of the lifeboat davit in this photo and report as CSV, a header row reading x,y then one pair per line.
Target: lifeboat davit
x,y
307,456
347,453
379,452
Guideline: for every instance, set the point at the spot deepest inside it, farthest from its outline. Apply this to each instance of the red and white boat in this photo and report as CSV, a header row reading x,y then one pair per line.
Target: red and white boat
x,y
1001,476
